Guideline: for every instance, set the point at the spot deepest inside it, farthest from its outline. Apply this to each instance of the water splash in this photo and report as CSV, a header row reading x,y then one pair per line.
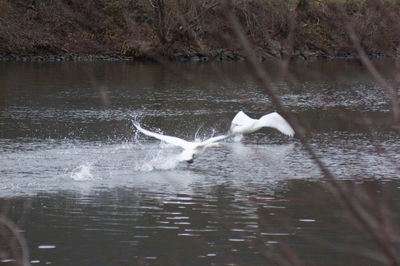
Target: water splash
x,y
161,159
158,161
165,157
82,172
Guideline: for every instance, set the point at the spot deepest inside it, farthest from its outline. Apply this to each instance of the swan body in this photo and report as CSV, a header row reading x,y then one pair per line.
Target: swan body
x,y
190,149
243,124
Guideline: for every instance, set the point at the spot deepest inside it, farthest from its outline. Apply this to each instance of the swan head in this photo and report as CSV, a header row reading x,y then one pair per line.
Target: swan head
x,y
187,156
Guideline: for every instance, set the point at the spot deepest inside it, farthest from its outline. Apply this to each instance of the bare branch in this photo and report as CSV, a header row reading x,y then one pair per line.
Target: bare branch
x,y
22,259
350,201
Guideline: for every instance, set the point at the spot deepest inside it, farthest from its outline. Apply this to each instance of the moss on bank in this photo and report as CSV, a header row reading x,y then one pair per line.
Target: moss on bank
x,y
195,29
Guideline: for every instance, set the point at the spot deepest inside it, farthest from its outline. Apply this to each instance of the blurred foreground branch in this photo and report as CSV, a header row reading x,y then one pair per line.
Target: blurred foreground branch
x,y
17,248
375,227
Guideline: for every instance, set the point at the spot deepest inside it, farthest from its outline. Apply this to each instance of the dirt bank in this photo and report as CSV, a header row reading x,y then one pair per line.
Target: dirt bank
x,y
193,30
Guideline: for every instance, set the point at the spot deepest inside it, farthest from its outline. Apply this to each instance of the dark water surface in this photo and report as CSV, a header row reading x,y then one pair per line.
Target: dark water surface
x,y
101,194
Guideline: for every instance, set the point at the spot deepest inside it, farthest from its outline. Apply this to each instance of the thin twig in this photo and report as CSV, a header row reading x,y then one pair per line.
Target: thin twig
x,y
351,202
24,258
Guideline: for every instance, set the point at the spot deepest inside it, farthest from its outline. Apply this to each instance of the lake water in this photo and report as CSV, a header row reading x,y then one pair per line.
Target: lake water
x,y
87,189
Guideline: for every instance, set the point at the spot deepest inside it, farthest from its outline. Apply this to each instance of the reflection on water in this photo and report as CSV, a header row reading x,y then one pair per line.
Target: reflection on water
x,y
67,144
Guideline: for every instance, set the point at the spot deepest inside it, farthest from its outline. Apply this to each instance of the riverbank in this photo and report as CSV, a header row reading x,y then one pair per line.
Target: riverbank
x,y
179,57
194,31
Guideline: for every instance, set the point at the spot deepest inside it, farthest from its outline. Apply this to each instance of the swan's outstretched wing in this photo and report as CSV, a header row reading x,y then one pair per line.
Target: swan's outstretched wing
x,y
276,121
214,139
169,139
241,119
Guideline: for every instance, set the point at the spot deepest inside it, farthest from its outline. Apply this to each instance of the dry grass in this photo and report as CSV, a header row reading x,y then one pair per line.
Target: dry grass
x,y
154,27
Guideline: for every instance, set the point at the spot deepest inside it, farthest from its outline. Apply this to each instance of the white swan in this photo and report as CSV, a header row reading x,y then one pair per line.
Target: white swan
x,y
190,149
243,124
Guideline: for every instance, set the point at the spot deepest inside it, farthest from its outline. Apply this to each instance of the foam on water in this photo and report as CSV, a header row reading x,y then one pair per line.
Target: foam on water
x,y
82,172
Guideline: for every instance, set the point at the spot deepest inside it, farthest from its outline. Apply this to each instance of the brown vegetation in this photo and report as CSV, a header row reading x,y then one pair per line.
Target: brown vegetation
x,y
158,27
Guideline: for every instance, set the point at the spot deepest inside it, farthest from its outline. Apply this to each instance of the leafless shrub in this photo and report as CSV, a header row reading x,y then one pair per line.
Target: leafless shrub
x,y
148,27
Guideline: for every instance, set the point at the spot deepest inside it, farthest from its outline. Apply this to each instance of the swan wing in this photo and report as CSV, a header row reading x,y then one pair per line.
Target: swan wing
x,y
213,140
276,121
168,139
241,119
